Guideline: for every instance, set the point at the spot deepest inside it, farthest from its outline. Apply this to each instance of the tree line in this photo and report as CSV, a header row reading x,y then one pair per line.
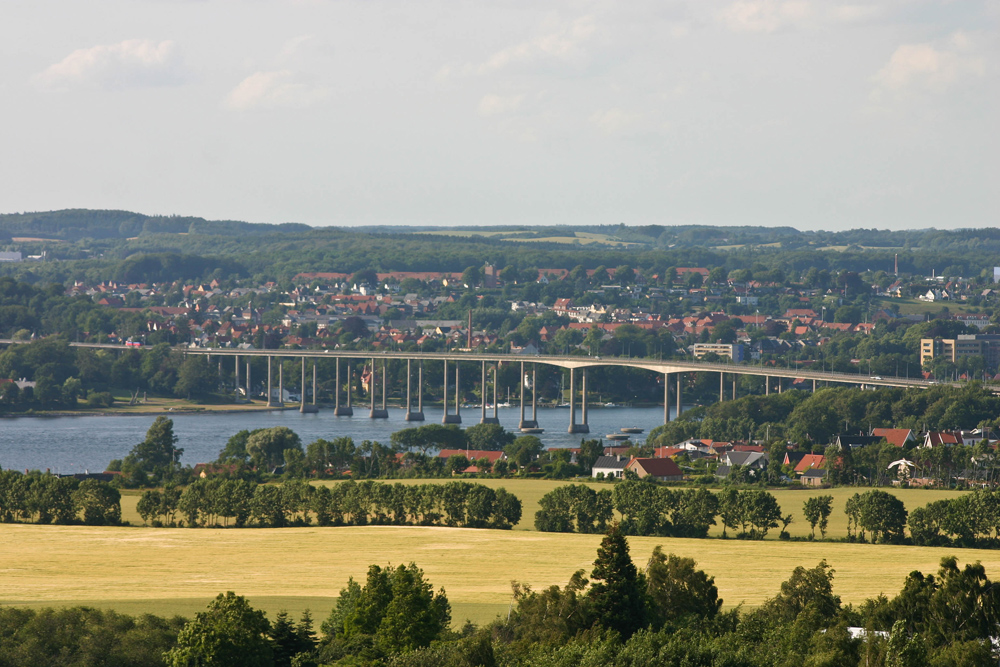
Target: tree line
x,y
47,499
651,509
216,501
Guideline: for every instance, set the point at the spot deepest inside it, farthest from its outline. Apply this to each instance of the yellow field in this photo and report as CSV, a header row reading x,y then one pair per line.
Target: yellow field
x,y
171,571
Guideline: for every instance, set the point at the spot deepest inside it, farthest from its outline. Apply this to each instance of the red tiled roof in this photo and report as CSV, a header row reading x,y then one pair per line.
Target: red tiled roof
x,y
811,461
895,436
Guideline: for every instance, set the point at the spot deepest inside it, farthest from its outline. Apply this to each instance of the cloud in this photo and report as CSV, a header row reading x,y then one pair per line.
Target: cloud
x,y
493,105
764,15
928,67
774,15
277,89
133,63
564,44
615,120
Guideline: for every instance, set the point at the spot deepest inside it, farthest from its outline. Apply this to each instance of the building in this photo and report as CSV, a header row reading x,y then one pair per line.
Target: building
x,y
732,351
895,436
664,470
965,345
610,466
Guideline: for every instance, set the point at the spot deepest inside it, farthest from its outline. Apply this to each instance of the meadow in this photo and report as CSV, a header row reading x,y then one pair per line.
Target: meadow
x,y
176,571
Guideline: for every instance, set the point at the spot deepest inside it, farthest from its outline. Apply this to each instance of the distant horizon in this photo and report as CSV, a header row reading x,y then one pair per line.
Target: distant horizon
x,y
503,226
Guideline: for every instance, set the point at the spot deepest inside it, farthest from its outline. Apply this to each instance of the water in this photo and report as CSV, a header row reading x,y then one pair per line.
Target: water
x,y
78,444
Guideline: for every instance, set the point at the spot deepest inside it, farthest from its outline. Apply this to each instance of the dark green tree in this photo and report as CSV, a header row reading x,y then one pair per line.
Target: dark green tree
x,y
231,632
618,595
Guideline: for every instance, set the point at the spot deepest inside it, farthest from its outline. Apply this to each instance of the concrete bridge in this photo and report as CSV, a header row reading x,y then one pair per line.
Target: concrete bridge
x,y
489,362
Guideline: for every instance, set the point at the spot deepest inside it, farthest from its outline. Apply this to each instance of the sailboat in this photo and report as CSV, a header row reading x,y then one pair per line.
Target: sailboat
x,y
562,392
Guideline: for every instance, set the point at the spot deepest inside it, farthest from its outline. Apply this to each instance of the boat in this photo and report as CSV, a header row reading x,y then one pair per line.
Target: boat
x,y
563,405
632,429
617,436
533,429
611,404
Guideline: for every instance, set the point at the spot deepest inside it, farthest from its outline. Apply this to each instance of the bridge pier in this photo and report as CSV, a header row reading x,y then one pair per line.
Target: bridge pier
x,y
734,385
573,426
281,383
448,418
377,413
338,409
767,385
303,407
270,400
237,377
666,398
249,398
412,416
677,414
532,423
814,386
722,379
484,419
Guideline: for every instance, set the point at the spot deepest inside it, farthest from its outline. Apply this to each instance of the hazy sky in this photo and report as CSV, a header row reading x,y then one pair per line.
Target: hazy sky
x,y
815,114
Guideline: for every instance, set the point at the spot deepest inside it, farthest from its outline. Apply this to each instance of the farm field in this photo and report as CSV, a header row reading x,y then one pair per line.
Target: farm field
x,y
530,491
171,571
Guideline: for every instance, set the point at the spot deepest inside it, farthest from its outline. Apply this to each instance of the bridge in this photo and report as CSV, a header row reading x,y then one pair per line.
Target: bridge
x,y
773,377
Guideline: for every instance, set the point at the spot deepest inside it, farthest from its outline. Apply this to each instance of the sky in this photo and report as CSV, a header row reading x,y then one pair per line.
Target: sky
x,y
821,115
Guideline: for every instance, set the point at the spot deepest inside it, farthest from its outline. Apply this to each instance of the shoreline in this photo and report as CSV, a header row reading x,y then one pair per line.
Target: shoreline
x,y
209,410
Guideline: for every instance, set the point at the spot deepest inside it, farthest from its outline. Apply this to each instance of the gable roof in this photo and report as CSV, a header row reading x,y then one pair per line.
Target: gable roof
x,y
810,461
656,467
895,436
610,463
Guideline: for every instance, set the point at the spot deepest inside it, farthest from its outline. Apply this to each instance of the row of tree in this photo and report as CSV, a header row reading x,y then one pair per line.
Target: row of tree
x,y
216,501
969,520
47,498
650,509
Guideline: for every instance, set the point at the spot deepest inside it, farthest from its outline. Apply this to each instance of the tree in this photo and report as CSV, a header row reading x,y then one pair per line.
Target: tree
x,y
157,456
292,642
761,511
397,609
730,509
100,502
817,511
677,589
881,513
231,632
266,447
617,595
195,377
806,587
524,450
491,437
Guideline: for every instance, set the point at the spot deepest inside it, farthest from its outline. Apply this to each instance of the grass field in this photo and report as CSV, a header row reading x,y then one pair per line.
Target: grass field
x,y
176,571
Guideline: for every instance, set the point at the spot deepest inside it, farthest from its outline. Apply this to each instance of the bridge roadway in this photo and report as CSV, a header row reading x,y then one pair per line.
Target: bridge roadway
x,y
567,361
572,363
